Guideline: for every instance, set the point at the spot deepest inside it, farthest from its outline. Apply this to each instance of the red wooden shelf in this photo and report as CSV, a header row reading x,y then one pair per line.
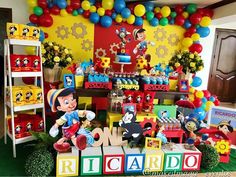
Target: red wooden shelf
x,y
97,85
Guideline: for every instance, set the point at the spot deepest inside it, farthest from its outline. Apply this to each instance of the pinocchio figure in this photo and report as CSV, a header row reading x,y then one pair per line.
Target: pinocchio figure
x,y
63,100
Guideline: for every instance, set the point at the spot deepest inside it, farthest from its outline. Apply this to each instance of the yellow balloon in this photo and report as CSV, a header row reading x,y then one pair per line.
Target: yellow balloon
x,y
199,94
195,37
165,11
101,11
157,9
187,42
185,14
118,18
63,12
209,104
32,3
93,9
139,10
131,19
85,5
30,50
191,90
107,4
205,21
184,49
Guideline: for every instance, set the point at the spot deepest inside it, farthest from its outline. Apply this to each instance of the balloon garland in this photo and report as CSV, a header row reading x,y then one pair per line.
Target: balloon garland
x,y
195,21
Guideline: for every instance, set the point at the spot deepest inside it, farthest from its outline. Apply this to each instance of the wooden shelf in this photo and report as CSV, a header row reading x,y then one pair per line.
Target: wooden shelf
x,y
21,140
25,107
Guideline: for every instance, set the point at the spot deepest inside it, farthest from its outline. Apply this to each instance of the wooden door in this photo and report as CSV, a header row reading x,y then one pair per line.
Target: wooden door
x,y
222,81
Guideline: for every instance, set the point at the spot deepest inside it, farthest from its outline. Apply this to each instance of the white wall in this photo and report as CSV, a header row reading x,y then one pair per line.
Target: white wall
x,y
19,10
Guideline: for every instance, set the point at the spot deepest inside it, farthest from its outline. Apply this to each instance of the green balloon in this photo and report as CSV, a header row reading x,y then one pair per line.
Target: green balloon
x,y
192,8
75,13
173,14
38,11
164,21
149,15
203,106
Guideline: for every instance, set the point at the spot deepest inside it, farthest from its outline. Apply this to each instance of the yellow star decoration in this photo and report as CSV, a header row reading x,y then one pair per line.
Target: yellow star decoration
x,y
222,147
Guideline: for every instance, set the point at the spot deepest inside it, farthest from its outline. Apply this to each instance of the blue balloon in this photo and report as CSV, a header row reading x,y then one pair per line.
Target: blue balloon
x,y
200,113
204,100
61,4
187,24
92,2
80,11
119,5
50,4
138,21
125,13
172,21
197,81
106,21
94,18
149,6
196,42
31,24
212,99
154,22
41,36
203,31
113,15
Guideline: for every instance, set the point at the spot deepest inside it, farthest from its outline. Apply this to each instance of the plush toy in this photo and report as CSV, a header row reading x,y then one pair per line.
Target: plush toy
x,y
63,100
192,125
225,127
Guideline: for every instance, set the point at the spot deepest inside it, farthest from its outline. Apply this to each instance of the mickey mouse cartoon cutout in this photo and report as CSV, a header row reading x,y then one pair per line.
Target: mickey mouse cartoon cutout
x,y
17,61
35,32
63,100
36,63
18,97
25,31
12,30
25,62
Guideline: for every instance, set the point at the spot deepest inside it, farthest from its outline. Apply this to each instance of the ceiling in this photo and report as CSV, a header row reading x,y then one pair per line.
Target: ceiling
x,y
200,3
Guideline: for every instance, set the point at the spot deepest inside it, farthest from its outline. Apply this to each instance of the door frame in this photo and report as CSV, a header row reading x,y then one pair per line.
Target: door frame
x,y
217,31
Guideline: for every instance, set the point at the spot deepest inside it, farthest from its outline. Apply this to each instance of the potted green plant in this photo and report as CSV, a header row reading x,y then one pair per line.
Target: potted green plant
x,y
54,58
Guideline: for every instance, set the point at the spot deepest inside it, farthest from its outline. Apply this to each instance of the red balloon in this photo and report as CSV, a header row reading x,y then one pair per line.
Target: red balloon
x,y
45,20
33,19
108,12
28,80
86,13
195,48
197,102
208,12
46,35
75,4
191,30
195,18
42,3
158,15
144,16
179,20
131,7
207,94
46,11
200,11
169,18
69,9
55,10
98,4
187,34
179,9
217,102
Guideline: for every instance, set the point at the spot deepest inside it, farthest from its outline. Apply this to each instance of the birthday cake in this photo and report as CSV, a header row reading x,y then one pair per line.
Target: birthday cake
x,y
123,56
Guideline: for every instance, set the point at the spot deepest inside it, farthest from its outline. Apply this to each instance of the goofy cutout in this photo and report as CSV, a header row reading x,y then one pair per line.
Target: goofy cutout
x,y
63,100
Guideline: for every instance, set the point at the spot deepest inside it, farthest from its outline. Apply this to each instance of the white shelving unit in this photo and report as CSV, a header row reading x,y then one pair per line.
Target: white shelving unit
x,y
9,77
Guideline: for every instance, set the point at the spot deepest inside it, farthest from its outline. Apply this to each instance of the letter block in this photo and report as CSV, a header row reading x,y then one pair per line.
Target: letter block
x,y
91,161
68,163
113,160
172,158
153,159
134,160
191,159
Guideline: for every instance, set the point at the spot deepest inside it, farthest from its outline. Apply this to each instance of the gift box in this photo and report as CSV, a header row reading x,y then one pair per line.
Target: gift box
x,y
38,96
24,31
38,123
27,123
28,95
79,81
34,33
129,96
35,63
148,101
26,63
15,63
17,96
138,99
18,126
13,31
